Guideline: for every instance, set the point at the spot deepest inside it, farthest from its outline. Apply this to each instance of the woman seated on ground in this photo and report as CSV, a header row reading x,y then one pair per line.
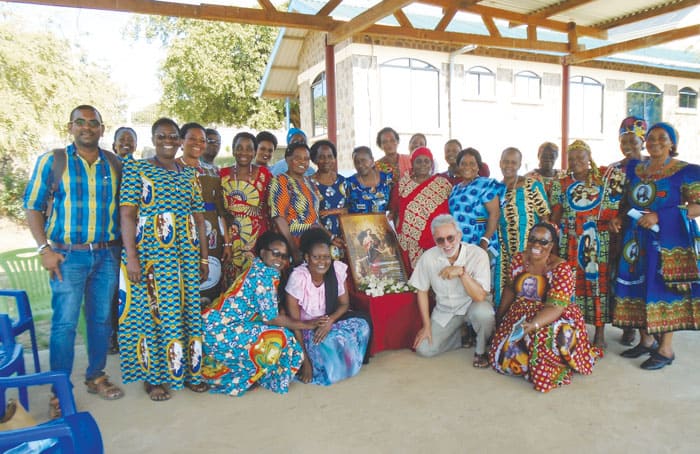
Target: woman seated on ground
x,y
247,340
541,334
317,290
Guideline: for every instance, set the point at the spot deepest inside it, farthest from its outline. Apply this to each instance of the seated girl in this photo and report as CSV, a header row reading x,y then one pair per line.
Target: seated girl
x,y
541,334
317,290
247,341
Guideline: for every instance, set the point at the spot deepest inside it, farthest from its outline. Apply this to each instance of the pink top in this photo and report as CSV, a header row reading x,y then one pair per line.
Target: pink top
x,y
312,299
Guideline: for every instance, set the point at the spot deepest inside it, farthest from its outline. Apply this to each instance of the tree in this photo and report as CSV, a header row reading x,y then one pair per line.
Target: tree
x,y
41,80
212,70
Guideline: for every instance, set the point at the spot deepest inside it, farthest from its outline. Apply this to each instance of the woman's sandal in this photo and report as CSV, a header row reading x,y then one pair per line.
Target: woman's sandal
x,y
54,408
157,393
104,388
197,387
480,361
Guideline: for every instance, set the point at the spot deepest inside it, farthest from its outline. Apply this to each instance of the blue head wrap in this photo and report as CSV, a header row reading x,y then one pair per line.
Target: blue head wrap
x,y
670,130
293,132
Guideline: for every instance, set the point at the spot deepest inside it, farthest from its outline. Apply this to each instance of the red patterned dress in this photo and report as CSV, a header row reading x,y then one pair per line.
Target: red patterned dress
x,y
548,357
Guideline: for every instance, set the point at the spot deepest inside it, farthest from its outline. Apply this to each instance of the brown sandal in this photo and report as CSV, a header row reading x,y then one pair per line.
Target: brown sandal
x,y
157,393
480,361
197,387
104,388
54,408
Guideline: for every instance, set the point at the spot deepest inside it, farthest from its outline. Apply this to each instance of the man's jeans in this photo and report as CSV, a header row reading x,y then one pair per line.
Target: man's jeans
x,y
94,276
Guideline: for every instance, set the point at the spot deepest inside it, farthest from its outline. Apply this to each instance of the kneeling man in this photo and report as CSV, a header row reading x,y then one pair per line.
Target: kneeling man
x,y
460,275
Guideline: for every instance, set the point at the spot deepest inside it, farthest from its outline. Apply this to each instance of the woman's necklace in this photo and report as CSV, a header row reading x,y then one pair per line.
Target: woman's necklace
x,y
510,192
367,184
650,175
234,170
163,166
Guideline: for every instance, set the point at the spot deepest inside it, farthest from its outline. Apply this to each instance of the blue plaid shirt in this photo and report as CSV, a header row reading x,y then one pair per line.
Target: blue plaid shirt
x,y
86,202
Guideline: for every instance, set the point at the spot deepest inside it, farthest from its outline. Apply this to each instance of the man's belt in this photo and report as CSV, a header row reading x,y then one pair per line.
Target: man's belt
x,y
87,246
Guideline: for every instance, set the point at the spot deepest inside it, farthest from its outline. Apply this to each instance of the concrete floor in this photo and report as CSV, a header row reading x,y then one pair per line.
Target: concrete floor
x,y
401,403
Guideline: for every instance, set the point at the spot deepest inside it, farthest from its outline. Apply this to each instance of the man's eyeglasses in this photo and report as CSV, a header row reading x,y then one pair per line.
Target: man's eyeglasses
x,y
278,255
213,141
167,136
540,241
446,239
83,122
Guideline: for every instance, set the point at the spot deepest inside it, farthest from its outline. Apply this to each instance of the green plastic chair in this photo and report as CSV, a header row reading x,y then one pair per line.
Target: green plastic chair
x,y
24,271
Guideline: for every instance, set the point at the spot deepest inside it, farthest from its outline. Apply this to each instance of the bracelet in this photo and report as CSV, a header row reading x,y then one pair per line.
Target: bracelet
x,y
41,249
483,238
204,261
537,325
228,244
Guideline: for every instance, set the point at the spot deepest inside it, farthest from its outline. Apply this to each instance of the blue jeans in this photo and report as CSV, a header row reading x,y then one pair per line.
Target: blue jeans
x,y
92,275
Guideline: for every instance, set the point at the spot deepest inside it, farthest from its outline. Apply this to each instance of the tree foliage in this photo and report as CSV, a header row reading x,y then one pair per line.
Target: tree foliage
x,y
41,80
213,70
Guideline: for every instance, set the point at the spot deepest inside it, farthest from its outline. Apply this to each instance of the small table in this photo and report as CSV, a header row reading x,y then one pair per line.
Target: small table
x,y
395,319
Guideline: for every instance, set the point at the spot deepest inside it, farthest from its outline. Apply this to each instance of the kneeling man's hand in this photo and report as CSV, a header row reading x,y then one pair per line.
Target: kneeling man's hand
x,y
424,333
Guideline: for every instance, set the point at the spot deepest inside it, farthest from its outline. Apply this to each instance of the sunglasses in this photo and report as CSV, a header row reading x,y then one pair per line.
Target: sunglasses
x,y
82,122
540,241
278,255
214,141
442,240
162,136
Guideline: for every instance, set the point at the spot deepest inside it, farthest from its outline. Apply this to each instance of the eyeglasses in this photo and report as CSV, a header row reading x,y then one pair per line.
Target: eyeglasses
x,y
83,122
214,141
540,241
167,136
442,240
279,255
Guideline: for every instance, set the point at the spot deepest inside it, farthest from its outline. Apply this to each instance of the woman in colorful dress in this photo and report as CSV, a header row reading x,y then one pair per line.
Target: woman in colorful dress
x,y
194,143
524,204
247,341
294,199
369,190
165,255
416,200
632,133
547,155
474,202
583,204
330,184
541,335
392,162
657,288
318,289
245,187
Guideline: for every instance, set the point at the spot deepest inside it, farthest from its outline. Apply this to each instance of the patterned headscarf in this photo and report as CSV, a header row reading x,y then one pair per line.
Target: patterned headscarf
x,y
579,145
422,151
293,132
634,125
595,171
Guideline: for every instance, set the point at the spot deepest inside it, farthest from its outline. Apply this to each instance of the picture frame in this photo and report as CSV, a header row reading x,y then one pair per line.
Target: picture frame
x,y
372,248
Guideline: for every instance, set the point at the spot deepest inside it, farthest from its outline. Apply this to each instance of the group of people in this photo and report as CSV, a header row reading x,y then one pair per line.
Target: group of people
x,y
225,279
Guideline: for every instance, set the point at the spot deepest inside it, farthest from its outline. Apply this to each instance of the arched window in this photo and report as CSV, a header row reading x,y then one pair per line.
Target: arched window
x,y
687,98
586,107
410,94
645,100
528,85
481,82
319,108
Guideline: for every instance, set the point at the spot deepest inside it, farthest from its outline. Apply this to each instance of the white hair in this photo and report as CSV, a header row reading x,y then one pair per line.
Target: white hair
x,y
441,220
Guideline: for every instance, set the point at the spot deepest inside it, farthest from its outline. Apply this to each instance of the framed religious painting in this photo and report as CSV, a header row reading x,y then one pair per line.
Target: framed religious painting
x,y
372,248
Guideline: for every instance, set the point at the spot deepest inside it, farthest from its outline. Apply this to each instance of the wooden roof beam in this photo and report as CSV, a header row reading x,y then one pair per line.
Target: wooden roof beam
x,y
646,14
638,43
402,19
461,39
447,16
266,5
328,8
233,14
367,18
491,26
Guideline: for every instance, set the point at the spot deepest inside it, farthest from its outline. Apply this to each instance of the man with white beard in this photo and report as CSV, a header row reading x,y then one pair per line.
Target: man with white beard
x,y
459,274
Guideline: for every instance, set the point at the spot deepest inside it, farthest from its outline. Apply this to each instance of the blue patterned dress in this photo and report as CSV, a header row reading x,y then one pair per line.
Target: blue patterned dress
x,y
240,348
468,206
160,326
658,286
332,197
363,199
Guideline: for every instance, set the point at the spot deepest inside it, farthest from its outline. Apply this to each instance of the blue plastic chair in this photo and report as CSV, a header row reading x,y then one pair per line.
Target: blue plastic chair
x,y
24,322
76,432
11,357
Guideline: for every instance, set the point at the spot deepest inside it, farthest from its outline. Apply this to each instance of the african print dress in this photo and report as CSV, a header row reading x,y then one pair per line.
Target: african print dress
x,y
363,199
160,325
240,348
333,197
547,182
587,209
297,202
549,356
404,167
657,284
246,204
467,205
417,205
340,354
521,208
